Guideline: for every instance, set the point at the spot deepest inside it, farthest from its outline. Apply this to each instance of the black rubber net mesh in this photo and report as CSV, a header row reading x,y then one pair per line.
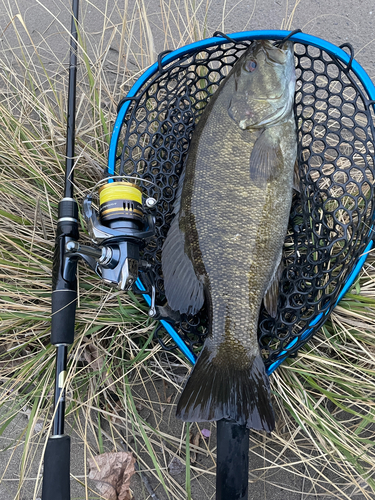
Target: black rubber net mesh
x,y
331,217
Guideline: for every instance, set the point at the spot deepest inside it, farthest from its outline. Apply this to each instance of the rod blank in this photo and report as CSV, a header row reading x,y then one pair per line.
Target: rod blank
x,y
71,117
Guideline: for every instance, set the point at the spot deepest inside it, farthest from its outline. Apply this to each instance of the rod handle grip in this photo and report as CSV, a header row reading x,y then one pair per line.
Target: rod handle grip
x,y
56,474
63,316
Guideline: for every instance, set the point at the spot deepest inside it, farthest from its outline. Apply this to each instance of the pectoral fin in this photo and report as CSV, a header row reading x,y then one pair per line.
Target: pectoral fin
x,y
183,289
265,158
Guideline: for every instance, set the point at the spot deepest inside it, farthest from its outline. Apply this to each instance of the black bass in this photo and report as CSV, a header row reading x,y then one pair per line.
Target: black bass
x,y
225,242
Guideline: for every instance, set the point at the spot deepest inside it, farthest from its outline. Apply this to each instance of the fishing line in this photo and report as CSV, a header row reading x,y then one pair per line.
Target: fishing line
x,y
107,180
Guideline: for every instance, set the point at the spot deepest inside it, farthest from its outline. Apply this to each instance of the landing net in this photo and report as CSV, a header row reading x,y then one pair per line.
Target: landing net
x,y
329,232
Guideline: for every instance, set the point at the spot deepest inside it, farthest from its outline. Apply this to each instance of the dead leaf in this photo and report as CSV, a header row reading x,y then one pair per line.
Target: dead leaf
x,y
194,439
115,418
176,466
168,400
113,471
165,389
39,425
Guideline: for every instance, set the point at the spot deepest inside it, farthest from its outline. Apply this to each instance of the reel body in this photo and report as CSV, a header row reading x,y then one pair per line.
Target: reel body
x,y
119,231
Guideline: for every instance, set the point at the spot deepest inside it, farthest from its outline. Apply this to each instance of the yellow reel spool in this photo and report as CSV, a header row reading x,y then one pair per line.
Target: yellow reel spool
x,y
120,201
120,190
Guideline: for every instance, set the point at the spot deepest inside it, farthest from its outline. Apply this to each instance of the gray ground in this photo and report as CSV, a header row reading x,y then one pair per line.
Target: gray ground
x,y
337,21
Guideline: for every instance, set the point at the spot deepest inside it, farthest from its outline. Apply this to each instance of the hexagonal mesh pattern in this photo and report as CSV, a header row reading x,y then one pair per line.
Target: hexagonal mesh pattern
x,y
331,217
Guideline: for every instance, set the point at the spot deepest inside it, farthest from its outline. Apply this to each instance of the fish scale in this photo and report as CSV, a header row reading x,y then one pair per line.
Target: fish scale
x,y
254,219
225,242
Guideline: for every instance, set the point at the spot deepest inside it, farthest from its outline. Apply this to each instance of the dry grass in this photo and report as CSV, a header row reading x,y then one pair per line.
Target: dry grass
x,y
121,388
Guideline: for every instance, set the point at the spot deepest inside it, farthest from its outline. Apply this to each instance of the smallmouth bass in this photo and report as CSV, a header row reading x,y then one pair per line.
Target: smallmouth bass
x,y
225,243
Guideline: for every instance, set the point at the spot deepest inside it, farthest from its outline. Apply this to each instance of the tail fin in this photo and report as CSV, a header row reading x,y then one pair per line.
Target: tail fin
x,y
214,392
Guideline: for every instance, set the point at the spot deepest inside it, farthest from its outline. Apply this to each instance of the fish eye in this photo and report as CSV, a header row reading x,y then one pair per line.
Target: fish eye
x,y
250,66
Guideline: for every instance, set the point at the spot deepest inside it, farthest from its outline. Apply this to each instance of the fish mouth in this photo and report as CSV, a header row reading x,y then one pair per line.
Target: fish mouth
x,y
277,98
244,118
271,118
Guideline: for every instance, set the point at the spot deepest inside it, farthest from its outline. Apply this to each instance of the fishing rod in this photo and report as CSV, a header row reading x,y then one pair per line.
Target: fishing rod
x,y
126,218
56,475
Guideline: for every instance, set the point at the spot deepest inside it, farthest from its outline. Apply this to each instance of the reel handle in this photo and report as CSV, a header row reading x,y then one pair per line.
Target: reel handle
x,y
56,475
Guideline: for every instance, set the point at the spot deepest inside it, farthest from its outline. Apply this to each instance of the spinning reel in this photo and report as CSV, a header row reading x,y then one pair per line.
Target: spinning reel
x,y
119,230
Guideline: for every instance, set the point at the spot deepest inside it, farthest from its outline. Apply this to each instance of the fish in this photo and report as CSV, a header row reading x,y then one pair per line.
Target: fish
x,y
224,245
